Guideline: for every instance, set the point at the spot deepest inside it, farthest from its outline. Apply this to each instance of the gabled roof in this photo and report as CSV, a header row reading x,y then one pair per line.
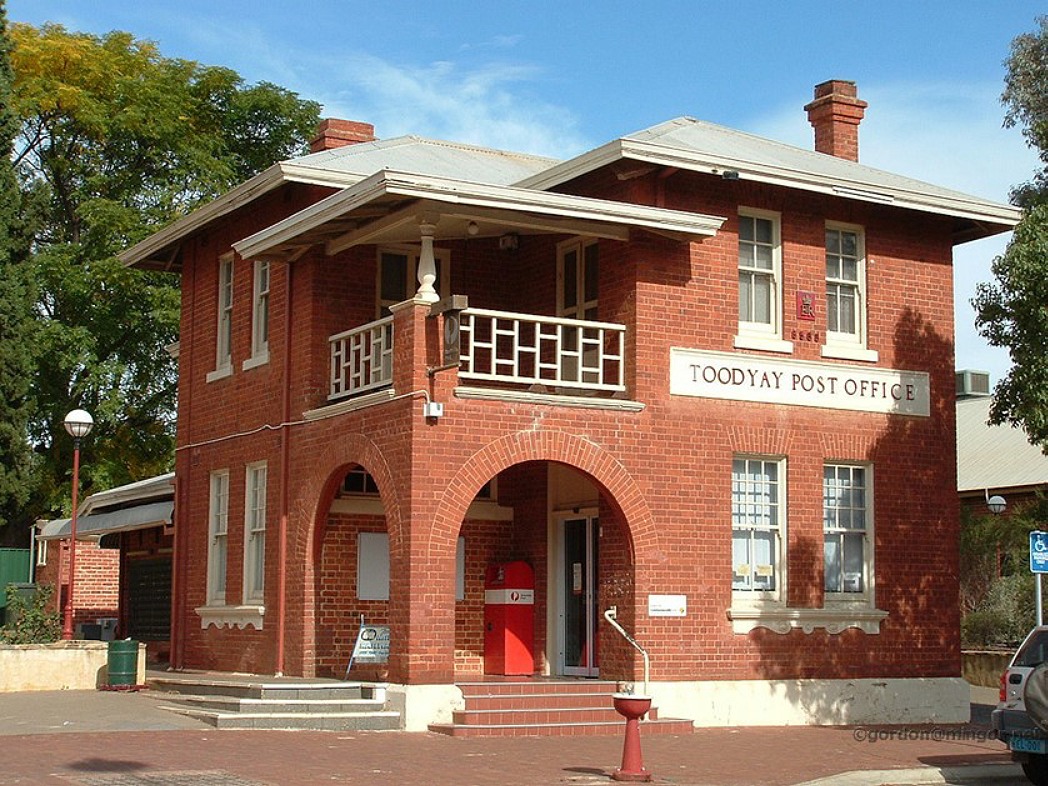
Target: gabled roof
x,y
698,146
337,169
994,457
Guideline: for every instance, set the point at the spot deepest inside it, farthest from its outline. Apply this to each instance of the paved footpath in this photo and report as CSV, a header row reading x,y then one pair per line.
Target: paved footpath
x,y
91,738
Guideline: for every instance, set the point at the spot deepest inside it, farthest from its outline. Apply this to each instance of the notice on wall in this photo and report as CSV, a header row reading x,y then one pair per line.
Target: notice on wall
x,y
667,605
736,377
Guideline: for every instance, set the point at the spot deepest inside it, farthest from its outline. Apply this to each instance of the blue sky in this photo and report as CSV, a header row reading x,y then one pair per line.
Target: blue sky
x,y
561,77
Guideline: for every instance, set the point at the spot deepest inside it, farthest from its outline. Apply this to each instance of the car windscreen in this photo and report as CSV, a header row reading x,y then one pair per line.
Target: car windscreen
x,y
1034,651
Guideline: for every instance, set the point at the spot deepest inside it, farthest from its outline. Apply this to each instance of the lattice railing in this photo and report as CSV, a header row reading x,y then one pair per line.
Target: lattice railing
x,y
362,358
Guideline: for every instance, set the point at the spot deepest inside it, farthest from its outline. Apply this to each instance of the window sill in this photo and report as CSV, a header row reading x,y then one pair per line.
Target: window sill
x,y
219,373
763,343
850,352
782,620
231,616
261,359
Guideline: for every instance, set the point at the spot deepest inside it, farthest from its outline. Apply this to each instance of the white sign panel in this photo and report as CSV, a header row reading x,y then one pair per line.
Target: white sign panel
x,y
372,645
667,605
509,597
725,375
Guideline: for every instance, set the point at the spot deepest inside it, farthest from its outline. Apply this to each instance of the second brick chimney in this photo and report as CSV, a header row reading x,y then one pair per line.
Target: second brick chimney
x,y
332,133
836,113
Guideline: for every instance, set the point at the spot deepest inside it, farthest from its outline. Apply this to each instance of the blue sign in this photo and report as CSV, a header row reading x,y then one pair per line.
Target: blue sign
x,y
1039,552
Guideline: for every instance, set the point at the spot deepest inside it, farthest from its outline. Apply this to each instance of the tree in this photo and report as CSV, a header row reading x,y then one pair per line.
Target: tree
x,y
115,141
16,300
1010,310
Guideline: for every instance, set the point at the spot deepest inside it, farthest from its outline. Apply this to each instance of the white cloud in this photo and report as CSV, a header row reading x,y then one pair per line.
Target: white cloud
x,y
487,105
949,134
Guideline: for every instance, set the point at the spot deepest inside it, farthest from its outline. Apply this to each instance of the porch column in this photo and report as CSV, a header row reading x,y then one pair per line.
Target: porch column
x,y
427,265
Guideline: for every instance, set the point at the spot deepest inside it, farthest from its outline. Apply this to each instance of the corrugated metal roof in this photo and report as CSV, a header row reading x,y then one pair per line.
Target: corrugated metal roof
x,y
422,156
707,147
123,520
994,457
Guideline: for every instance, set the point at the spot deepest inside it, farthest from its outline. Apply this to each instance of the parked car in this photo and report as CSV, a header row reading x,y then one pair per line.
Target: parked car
x,y
1021,717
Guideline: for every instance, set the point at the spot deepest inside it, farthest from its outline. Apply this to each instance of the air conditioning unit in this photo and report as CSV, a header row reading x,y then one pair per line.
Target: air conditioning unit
x,y
972,383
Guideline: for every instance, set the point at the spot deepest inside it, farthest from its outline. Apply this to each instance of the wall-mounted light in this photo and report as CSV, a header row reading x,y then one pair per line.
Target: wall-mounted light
x,y
472,228
996,503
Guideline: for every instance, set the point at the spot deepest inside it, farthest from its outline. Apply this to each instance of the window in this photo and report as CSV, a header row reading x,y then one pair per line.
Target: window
x,y
41,553
359,481
255,533
846,525
218,520
757,525
224,334
373,566
578,270
846,294
760,283
398,276
259,316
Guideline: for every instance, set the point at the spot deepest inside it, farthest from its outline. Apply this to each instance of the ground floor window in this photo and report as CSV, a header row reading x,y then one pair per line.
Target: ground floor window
x,y
757,524
846,526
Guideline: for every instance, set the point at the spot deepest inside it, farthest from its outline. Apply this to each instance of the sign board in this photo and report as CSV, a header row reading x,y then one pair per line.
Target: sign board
x,y
667,605
736,377
372,645
1039,552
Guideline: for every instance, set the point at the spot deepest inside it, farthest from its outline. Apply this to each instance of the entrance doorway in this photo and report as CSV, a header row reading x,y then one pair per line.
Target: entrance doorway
x,y
579,614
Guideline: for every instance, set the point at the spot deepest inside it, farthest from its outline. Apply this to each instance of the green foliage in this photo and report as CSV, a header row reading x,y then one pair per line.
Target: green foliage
x,y
114,141
1010,311
33,622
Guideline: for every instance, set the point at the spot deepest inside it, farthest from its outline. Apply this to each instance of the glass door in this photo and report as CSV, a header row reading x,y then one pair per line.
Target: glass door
x,y
579,615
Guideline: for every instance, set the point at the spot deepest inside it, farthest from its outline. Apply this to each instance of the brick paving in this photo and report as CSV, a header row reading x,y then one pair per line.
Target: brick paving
x,y
105,750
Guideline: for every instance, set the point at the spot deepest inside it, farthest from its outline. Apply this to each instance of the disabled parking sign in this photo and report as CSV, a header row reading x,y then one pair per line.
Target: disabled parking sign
x,y
1039,552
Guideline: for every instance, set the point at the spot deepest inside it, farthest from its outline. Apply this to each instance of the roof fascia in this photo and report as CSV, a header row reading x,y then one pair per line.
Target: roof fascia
x,y
237,197
480,196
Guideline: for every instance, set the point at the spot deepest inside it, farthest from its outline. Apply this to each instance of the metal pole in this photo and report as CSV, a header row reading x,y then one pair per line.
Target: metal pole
x,y
67,624
1040,602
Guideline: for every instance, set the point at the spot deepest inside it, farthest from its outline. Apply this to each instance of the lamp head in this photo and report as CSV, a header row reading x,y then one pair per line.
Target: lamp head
x,y
78,423
996,504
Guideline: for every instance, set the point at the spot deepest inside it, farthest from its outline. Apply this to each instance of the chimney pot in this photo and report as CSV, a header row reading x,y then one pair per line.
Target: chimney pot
x,y
333,132
835,113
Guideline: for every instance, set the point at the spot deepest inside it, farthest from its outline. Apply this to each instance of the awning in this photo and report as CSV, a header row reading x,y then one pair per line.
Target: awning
x,y
96,525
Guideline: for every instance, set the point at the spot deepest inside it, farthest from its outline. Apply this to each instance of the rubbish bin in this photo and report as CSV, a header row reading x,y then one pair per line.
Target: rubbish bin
x,y
123,662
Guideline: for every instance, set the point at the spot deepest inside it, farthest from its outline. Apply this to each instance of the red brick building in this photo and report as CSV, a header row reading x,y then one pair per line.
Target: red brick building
x,y
699,376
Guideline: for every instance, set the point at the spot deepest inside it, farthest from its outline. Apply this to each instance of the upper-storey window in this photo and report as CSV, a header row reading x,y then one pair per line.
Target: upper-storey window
x,y
259,315
760,282
846,293
224,327
398,276
578,271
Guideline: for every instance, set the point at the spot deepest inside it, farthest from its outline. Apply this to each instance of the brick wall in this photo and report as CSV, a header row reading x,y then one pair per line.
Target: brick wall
x,y
663,474
97,589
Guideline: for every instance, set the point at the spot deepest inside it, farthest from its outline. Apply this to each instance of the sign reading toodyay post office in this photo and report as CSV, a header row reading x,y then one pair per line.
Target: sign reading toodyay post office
x,y
725,375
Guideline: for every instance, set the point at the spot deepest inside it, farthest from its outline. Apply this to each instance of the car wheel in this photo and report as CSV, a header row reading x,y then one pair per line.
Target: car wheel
x,y
1036,769
1035,696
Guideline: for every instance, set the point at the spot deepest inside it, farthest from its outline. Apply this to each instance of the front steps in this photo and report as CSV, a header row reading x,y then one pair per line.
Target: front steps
x,y
546,708
248,703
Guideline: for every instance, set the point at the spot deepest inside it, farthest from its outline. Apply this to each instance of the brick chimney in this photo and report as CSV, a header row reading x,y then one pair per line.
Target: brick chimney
x,y
836,113
332,133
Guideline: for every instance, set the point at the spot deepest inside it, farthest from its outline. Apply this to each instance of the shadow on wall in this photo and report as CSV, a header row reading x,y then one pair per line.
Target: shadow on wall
x,y
915,553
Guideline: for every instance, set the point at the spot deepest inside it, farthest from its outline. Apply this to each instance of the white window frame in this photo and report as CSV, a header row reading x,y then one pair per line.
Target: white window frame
x,y
261,278
41,553
218,538
831,528
762,335
442,259
255,486
583,308
744,518
843,345
223,320
373,566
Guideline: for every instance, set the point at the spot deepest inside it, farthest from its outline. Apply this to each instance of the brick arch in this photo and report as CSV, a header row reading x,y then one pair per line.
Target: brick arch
x,y
573,451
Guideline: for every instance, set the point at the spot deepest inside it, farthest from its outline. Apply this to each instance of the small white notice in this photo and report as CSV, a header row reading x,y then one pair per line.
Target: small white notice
x,y
667,605
372,644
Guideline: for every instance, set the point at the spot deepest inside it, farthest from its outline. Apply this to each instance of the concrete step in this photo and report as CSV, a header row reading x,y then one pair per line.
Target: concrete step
x,y
534,686
540,714
553,701
316,721
289,690
681,727
229,704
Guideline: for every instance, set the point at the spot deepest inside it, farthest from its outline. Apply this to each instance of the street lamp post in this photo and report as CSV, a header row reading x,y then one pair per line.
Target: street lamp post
x,y
78,423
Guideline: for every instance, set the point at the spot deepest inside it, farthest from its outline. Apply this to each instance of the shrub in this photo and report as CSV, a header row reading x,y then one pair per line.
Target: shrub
x,y
1006,614
31,621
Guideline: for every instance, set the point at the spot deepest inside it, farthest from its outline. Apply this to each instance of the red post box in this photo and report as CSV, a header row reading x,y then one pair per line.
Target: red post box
x,y
509,619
